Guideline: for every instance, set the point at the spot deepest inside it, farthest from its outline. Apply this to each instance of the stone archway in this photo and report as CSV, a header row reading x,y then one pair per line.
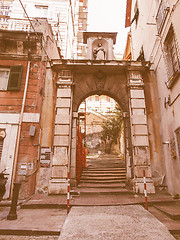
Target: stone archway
x,y
123,81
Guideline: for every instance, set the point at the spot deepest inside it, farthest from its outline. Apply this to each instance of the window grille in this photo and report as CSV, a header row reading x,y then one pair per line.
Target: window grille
x,y
1,147
172,57
161,15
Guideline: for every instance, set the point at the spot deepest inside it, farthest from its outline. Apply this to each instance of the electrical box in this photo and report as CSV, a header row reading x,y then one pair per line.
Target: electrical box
x,y
32,131
45,157
30,166
24,167
22,170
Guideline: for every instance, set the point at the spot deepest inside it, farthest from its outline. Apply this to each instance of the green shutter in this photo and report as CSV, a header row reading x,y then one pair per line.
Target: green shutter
x,y
14,78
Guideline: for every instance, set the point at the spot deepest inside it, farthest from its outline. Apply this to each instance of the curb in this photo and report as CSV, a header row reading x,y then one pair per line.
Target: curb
x,y
43,206
21,232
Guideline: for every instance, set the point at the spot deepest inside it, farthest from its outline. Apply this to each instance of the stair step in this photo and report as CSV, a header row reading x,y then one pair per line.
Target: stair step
x,y
102,175
107,185
104,169
103,182
107,191
102,178
172,212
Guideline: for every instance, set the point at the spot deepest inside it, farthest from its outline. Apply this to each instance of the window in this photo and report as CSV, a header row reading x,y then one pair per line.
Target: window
x,y
172,57
178,139
4,10
41,11
161,15
10,78
4,76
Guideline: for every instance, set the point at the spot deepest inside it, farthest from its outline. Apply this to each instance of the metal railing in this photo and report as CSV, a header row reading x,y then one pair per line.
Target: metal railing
x,y
14,24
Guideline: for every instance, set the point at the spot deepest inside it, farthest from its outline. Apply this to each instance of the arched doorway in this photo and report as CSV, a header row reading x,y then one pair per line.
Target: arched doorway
x,y
123,81
100,137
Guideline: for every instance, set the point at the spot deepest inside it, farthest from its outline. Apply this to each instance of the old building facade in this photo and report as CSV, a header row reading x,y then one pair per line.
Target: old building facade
x,y
68,19
23,61
155,37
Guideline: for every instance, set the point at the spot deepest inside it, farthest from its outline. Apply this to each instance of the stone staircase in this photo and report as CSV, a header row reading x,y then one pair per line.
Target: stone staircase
x,y
169,214
105,174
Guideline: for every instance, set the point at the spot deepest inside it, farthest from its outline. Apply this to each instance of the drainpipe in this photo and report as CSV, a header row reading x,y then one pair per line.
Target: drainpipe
x,y
19,128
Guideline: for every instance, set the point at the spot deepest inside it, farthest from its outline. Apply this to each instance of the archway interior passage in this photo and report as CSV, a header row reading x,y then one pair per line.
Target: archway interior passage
x,y
100,122
100,119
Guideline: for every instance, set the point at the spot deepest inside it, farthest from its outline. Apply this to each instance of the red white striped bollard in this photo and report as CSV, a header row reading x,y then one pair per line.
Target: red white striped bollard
x,y
145,191
68,193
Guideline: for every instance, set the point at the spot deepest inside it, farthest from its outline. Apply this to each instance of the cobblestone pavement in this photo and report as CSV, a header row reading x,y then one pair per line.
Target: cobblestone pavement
x,y
11,237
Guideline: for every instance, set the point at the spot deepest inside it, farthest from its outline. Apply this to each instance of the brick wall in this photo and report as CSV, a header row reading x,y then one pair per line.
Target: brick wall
x,y
11,102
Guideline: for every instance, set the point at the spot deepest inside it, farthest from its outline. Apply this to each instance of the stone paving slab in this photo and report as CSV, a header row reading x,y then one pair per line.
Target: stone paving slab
x,y
113,223
34,222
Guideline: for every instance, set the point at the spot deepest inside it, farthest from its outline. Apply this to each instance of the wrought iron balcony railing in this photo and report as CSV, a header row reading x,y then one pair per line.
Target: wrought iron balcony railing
x,y
14,24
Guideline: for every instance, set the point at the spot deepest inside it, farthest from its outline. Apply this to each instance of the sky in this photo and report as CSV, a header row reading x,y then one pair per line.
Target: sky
x,y
109,16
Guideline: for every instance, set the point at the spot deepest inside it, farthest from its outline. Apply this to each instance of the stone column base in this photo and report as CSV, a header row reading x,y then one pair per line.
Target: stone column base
x,y
73,182
138,185
57,186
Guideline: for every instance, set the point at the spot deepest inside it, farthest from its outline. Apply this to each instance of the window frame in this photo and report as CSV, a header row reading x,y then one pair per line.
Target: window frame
x,y
3,87
14,77
172,57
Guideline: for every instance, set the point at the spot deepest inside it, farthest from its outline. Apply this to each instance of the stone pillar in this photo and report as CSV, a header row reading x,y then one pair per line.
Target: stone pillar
x,y
139,133
62,134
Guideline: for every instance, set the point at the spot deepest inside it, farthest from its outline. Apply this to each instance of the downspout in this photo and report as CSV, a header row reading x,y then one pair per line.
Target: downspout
x,y
19,127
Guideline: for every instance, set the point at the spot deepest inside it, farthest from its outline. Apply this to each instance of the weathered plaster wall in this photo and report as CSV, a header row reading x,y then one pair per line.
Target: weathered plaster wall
x,y
164,142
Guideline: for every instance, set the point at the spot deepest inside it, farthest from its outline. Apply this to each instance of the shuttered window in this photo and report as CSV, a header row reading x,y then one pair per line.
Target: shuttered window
x,y
14,78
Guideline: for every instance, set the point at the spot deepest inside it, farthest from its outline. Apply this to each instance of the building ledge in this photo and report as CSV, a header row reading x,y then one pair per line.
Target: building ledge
x,y
130,65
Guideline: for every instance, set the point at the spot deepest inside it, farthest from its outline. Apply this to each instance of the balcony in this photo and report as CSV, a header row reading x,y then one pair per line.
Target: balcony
x,y
161,15
14,24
